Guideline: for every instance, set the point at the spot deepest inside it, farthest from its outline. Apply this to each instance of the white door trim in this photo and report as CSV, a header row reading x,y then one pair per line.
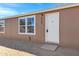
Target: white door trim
x,y
46,28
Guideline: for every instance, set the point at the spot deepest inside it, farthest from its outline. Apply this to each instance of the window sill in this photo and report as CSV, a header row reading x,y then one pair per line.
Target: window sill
x,y
2,32
27,33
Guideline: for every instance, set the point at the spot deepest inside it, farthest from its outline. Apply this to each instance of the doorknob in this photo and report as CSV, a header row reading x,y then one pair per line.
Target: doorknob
x,y
47,30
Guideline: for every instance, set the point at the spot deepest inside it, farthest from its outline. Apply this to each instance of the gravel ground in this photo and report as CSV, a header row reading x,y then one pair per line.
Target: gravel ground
x,y
4,51
34,48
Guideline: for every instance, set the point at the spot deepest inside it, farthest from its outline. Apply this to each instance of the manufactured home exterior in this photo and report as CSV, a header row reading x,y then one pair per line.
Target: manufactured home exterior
x,y
59,26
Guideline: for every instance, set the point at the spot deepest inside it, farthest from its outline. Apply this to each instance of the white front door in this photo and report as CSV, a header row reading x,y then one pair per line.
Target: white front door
x,y
52,27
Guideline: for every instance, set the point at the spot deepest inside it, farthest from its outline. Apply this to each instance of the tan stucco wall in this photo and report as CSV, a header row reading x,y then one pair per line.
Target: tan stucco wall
x,y
11,30
69,27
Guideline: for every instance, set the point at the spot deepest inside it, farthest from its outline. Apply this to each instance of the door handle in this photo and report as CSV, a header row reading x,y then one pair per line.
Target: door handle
x,y
47,30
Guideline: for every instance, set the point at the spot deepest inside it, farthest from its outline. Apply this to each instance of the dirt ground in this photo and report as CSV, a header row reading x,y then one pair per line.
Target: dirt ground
x,y
4,51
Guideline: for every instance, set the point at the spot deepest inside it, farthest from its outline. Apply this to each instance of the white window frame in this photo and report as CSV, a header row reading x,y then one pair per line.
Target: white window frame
x,y
25,25
4,26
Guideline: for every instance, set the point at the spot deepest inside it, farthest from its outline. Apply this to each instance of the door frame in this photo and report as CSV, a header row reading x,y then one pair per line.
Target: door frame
x,y
45,28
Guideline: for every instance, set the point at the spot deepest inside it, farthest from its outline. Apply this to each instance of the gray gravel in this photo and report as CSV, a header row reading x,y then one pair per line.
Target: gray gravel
x,y
36,49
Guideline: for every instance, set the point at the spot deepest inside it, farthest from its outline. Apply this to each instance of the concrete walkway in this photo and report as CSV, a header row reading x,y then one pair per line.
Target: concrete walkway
x,y
35,48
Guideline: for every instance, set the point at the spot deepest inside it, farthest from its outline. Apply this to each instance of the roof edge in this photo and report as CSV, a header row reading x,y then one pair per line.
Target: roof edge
x,y
41,11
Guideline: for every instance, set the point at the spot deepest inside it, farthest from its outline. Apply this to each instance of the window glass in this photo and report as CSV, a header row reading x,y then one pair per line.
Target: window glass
x,y
30,21
2,25
22,25
22,21
30,29
22,29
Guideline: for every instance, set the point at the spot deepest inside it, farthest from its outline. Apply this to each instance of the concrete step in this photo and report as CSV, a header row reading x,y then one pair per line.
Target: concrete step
x,y
51,47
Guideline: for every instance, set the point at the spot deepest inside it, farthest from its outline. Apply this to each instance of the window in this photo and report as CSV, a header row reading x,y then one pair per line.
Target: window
x,y
27,25
2,26
30,25
22,25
